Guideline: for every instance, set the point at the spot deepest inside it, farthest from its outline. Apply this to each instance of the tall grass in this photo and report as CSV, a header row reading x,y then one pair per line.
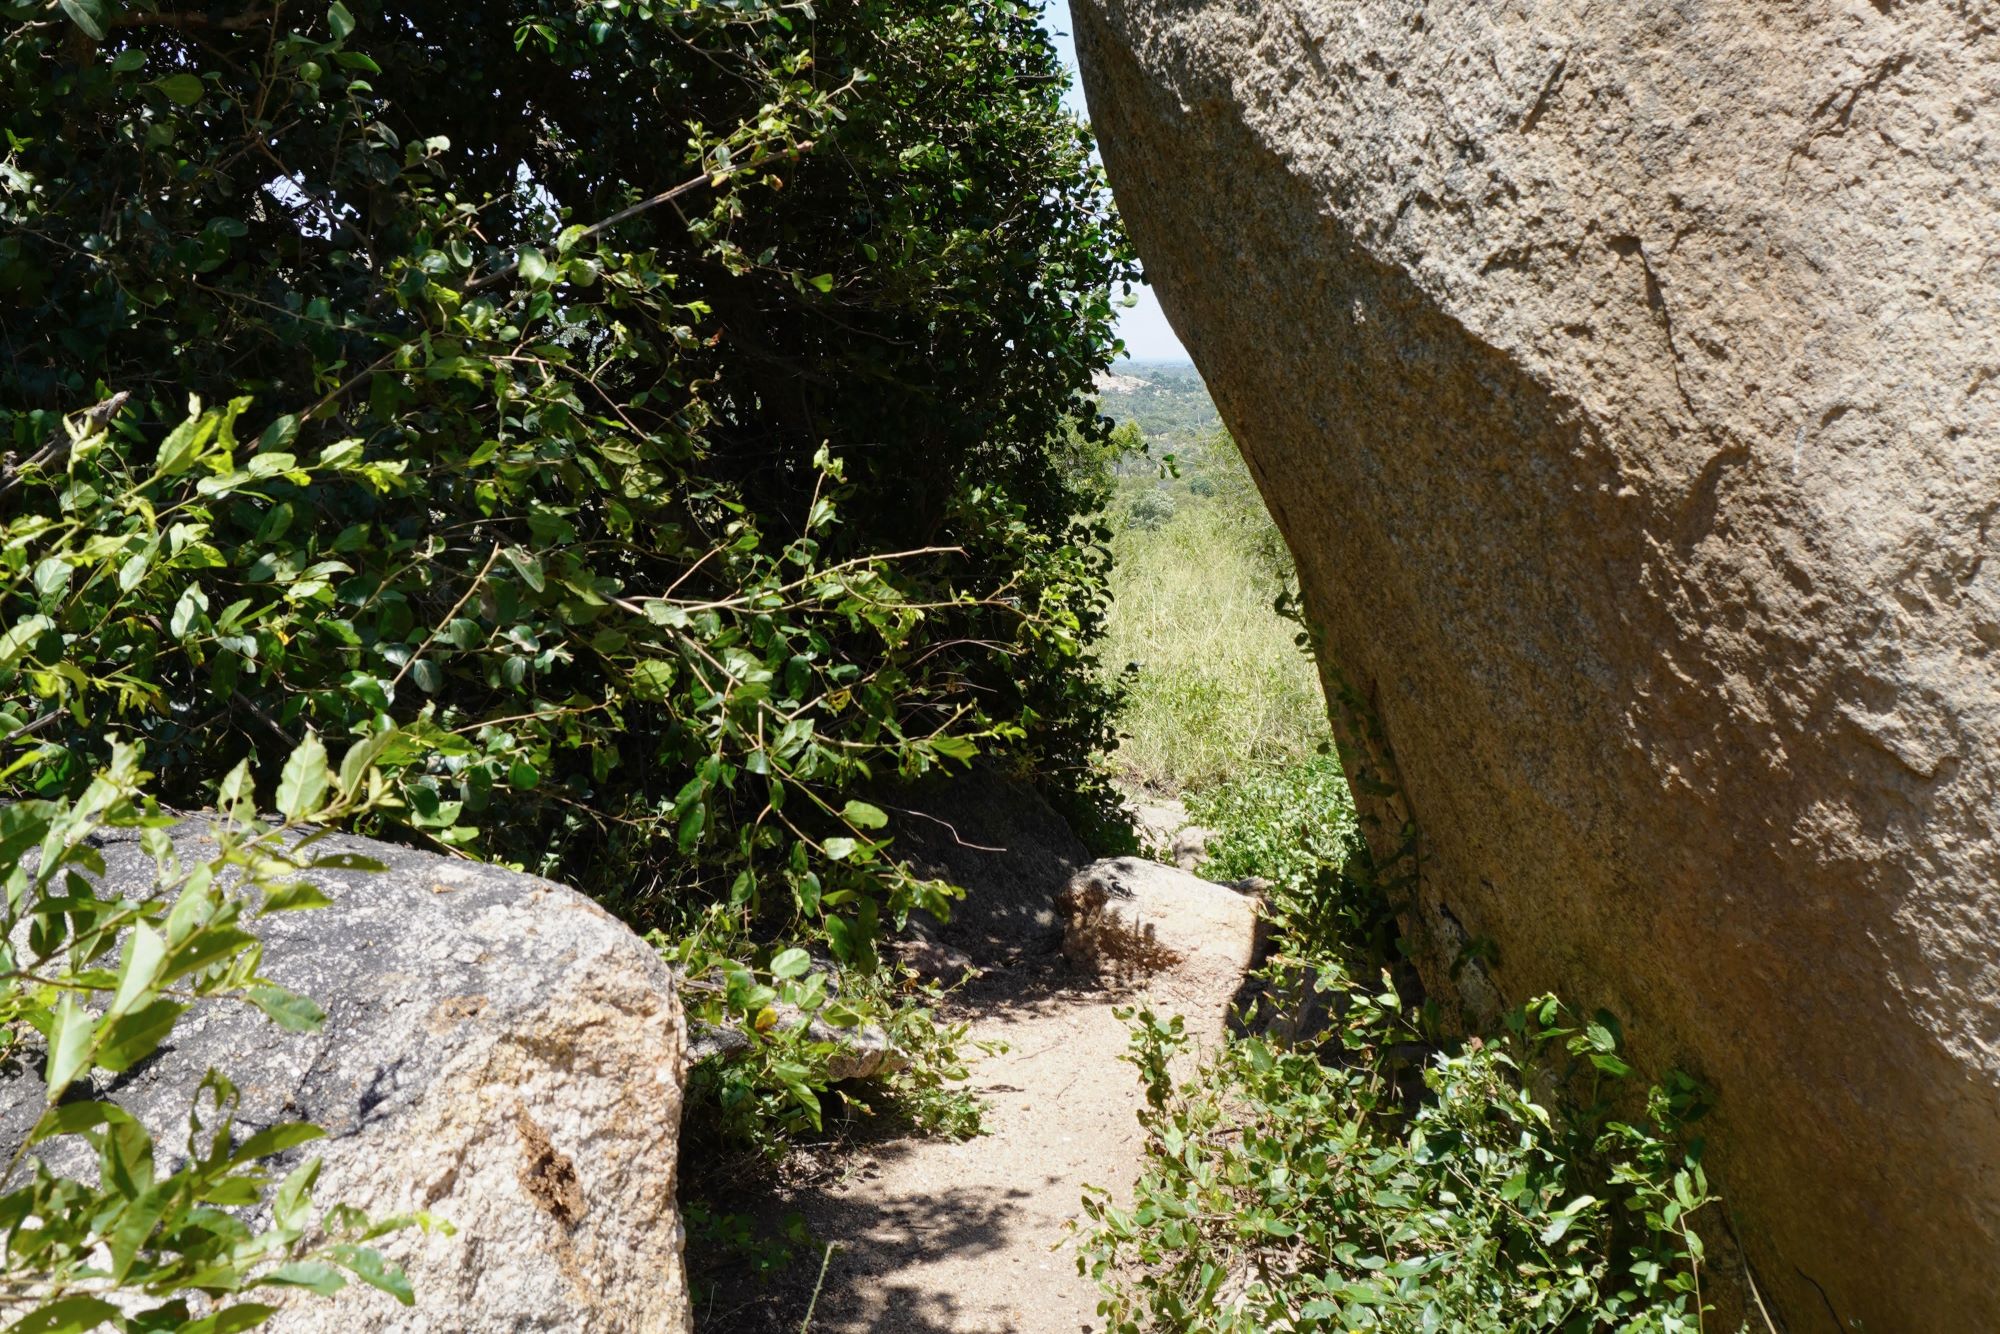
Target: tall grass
x,y
1220,683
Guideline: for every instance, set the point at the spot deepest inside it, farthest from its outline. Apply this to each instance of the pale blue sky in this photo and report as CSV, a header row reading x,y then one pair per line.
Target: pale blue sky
x,y
1147,335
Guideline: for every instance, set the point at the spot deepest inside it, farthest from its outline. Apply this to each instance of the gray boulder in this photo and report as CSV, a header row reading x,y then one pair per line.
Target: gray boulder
x,y
498,1051
1190,941
1625,377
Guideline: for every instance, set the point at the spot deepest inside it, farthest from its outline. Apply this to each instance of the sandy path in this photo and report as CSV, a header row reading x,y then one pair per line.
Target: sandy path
x,y
933,1237
971,1238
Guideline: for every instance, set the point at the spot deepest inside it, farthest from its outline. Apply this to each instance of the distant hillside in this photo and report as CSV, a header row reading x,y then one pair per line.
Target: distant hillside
x,y
1168,401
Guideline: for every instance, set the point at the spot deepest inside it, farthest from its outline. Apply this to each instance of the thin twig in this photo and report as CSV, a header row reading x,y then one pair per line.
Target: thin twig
x,y
826,1261
29,729
955,837
456,607
56,451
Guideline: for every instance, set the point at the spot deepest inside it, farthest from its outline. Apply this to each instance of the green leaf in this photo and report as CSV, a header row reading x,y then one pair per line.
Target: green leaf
x,y
530,569
692,823
791,963
131,1038
294,896
191,604
864,816
824,282
145,952
184,89
840,849
290,1204
231,1319
955,748
346,861
276,1139
84,14
338,19
237,795
69,1046
128,1237
203,948
532,266
289,1010
79,1118
66,1315
129,60
51,577
313,1275
360,757
368,1266
303,785
20,635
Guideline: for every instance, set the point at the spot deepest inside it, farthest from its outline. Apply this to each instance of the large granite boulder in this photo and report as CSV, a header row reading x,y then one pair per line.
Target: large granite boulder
x,y
498,1051
1625,377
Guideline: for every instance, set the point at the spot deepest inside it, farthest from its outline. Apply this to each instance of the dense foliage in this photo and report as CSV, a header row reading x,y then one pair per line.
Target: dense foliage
x,y
648,429
536,330
1343,1166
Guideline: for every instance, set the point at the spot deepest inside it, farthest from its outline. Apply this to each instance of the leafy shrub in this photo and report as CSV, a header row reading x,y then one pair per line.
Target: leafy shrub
x,y
1296,829
1340,1166
1286,1190
103,979
1286,825
1148,510
644,419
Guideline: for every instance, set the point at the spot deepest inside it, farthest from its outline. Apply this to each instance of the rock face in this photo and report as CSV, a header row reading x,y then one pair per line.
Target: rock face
x,y
1624,377
1133,921
498,1051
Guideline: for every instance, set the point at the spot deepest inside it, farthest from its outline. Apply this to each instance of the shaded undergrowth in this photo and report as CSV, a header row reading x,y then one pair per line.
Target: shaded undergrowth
x,y
1345,1163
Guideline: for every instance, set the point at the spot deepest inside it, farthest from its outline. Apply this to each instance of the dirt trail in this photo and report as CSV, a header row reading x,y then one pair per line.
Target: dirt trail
x,y
972,1238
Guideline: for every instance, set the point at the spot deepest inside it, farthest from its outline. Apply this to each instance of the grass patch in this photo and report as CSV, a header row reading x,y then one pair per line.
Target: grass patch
x,y
1217,680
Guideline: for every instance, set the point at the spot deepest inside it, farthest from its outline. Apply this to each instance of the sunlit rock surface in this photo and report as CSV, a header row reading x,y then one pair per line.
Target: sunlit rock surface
x,y
1624,378
498,1051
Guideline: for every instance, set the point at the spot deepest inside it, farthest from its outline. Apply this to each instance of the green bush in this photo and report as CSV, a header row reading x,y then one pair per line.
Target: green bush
x,y
1296,829
1287,825
1342,1166
573,523
650,417
1289,1189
